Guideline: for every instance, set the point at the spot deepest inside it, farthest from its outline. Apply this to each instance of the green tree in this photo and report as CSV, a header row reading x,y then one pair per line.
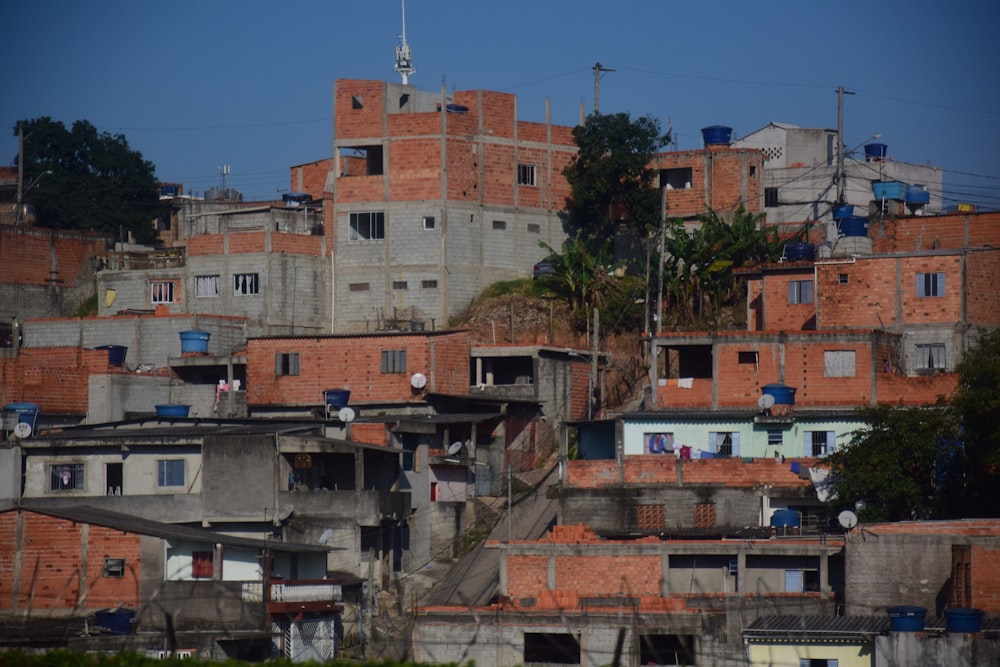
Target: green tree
x,y
581,274
612,178
899,464
976,405
89,180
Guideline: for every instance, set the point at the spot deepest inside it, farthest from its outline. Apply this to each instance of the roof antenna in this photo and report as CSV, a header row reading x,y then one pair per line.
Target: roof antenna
x,y
404,58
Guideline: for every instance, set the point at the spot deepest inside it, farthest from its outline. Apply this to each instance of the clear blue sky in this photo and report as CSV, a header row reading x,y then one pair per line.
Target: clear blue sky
x,y
248,83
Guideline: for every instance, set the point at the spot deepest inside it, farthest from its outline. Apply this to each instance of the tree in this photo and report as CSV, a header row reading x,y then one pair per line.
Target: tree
x,y
976,405
88,180
612,178
899,464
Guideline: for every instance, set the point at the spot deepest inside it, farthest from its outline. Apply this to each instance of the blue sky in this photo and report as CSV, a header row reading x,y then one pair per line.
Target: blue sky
x,y
197,85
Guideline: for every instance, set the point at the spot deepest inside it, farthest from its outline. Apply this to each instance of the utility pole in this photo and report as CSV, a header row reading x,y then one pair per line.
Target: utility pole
x,y
20,173
841,179
598,68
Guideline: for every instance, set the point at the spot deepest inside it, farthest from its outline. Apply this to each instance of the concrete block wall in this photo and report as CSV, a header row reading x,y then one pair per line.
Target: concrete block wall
x,y
49,563
116,396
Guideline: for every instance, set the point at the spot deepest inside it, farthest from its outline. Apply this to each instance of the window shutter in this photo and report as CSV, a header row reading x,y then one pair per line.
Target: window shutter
x,y
807,443
277,364
938,284
713,441
807,291
736,443
831,441
791,292
921,284
793,581
293,363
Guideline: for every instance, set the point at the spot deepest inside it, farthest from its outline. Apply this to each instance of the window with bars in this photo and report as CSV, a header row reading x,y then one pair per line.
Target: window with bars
x,y
819,443
66,477
246,284
724,443
202,564
206,286
161,291
775,438
367,226
170,472
525,174
393,361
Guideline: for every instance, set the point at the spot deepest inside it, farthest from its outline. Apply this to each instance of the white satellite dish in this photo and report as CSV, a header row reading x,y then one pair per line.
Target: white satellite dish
x,y
418,380
454,447
765,402
325,536
848,519
22,430
345,414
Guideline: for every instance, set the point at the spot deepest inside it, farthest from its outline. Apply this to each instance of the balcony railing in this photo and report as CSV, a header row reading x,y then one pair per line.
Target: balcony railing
x,y
294,591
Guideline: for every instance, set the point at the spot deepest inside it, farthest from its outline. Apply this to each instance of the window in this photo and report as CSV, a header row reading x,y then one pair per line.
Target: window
x,y
367,226
666,650
361,160
286,363
206,286
525,174
245,284
843,278
931,356
534,228
398,284
66,477
201,564
429,284
800,291
393,361
747,357
358,287
818,662
775,438
676,179
161,291
500,224
114,567
771,197
170,472
838,364
930,284
552,647
357,102
819,443
724,443
428,222
659,443
753,171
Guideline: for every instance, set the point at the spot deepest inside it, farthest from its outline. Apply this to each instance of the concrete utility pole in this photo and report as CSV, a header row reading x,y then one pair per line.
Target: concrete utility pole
x,y
20,174
598,68
841,184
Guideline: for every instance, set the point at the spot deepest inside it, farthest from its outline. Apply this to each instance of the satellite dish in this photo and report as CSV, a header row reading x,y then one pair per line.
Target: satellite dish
x,y
848,519
454,447
418,380
765,402
346,414
22,430
325,536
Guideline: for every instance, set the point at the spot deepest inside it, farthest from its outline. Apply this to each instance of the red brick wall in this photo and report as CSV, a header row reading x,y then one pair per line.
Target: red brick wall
x,y
779,315
206,244
311,178
297,244
26,255
53,569
527,575
984,579
718,178
939,231
244,242
354,362
55,378
870,281
982,298
363,123
645,470
414,168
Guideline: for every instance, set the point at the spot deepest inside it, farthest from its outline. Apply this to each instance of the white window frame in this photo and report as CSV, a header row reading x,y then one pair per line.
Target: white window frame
x,y
207,286
930,284
824,441
246,284
526,174
717,443
161,291
931,356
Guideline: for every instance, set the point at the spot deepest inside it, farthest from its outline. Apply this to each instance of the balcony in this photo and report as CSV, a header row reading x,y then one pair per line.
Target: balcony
x,y
295,596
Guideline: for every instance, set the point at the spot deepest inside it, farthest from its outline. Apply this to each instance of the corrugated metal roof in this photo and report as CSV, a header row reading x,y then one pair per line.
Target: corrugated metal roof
x,y
772,627
138,525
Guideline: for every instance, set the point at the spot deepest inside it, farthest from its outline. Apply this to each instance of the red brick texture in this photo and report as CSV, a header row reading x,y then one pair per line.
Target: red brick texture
x,y
37,256
55,378
646,470
62,564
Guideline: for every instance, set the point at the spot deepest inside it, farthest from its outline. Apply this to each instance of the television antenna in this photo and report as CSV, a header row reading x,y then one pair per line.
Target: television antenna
x,y
404,57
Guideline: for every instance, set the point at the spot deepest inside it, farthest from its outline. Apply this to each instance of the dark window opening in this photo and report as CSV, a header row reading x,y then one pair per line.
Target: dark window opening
x,y
429,284
676,179
361,161
286,363
525,174
843,278
428,222
356,102
399,284
770,197
114,567
367,226
689,361
113,477
202,563
534,228
358,287
499,224
504,370
66,477
552,648
746,358
393,361
666,650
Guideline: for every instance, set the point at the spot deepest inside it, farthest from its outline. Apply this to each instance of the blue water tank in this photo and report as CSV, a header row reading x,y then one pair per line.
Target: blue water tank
x,y
336,398
781,393
171,410
785,519
116,354
907,618
917,194
26,413
195,341
853,226
875,152
963,620
117,620
715,135
889,190
796,252
845,211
